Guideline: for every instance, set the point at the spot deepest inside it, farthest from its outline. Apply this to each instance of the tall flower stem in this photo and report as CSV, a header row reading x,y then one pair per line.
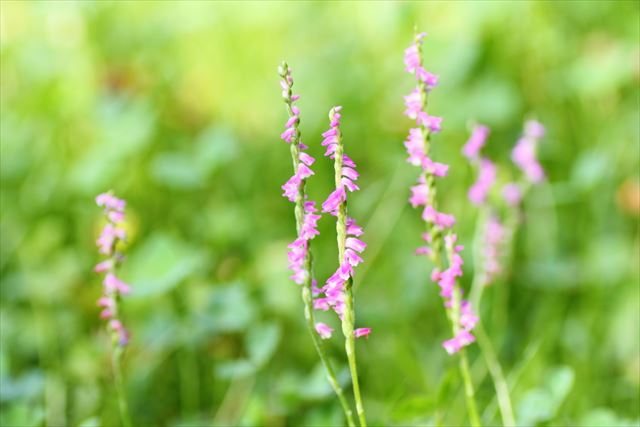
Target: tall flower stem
x,y
114,288
486,347
465,372
306,285
348,318
117,351
116,357
417,108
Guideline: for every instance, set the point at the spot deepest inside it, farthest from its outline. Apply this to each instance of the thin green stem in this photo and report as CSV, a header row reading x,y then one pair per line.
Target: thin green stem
x,y
495,370
437,239
486,347
331,376
474,418
116,356
348,317
350,348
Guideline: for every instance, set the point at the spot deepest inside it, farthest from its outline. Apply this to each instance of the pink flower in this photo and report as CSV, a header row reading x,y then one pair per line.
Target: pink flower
x,y
353,229
103,266
419,194
324,330
476,141
413,102
110,202
462,339
334,200
512,194
362,332
113,286
534,129
437,218
493,239
433,123
486,177
524,153
108,238
335,204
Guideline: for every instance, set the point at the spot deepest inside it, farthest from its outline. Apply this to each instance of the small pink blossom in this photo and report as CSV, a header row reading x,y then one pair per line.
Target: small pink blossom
x,y
524,153
476,141
512,194
462,339
362,332
325,331
486,177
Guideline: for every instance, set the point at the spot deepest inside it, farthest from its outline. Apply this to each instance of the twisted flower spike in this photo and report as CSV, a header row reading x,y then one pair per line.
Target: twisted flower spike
x,y
338,289
439,225
114,288
300,259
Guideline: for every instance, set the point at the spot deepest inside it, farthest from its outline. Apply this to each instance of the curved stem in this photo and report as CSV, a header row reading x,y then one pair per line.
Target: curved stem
x,y
499,381
469,393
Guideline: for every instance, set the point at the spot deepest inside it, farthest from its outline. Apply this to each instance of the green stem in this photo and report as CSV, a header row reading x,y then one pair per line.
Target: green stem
x,y
474,418
437,239
350,348
331,376
348,317
116,355
465,372
495,370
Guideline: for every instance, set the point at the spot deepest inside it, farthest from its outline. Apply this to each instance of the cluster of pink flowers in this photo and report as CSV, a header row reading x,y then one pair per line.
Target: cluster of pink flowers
x,y
423,194
512,194
466,319
494,235
524,153
475,143
114,288
293,188
486,178
487,170
334,288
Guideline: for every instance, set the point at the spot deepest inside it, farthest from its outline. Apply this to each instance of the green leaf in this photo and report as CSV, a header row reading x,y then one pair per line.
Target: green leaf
x,y
261,342
235,369
230,308
159,265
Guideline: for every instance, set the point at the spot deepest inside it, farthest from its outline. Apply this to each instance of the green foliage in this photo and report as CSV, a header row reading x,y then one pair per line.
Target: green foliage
x,y
176,107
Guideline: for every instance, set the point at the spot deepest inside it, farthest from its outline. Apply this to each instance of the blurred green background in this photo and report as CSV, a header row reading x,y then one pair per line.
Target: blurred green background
x,y
176,107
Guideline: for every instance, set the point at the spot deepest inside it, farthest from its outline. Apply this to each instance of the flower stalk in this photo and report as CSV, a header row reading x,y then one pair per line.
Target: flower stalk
x,y
113,290
339,287
439,235
300,257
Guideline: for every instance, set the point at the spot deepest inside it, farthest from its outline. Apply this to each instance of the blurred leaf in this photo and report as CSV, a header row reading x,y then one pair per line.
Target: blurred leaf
x,y
160,264
215,147
230,308
414,408
542,403
315,385
90,422
262,341
176,170
22,414
536,406
26,387
605,417
235,369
